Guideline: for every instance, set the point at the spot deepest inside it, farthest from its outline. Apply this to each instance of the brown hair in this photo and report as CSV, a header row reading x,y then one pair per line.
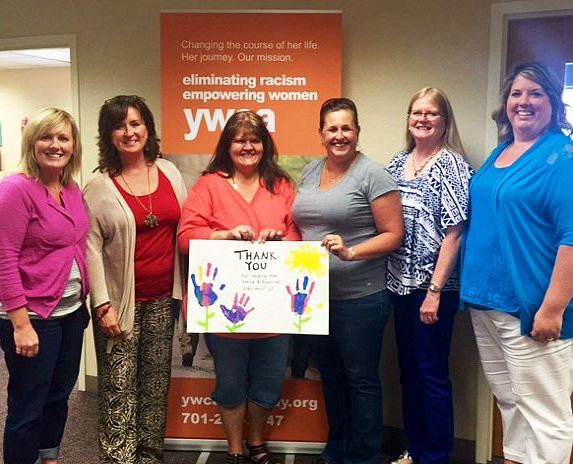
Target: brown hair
x,y
111,115
250,123
338,104
542,76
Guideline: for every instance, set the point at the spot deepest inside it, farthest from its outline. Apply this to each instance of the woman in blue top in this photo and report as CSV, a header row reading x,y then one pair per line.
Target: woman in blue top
x,y
518,268
422,277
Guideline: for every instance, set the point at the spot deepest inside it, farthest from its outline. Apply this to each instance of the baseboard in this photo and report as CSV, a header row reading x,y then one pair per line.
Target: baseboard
x,y
91,383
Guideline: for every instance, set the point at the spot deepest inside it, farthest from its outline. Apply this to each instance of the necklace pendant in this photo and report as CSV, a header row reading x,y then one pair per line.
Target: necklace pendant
x,y
151,220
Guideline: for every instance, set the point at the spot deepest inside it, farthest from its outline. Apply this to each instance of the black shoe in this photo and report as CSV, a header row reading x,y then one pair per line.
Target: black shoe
x,y
235,459
297,374
187,360
259,454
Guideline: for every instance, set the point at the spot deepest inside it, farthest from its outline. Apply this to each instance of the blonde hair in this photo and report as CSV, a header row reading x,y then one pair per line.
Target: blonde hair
x,y
46,120
451,138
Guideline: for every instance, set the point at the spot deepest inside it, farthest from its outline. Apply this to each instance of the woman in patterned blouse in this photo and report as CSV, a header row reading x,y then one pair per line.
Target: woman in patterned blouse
x,y
424,288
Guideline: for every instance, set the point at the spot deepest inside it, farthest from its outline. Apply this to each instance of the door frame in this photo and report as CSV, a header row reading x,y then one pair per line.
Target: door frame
x,y
500,15
52,41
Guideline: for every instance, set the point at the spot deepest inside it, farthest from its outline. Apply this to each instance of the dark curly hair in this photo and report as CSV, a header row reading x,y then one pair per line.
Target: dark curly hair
x,y
249,123
111,115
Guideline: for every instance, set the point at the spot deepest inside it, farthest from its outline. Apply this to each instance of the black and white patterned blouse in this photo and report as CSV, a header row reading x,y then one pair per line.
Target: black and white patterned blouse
x,y
432,202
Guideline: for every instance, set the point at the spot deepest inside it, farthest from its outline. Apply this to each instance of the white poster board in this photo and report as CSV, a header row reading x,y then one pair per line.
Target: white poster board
x,y
244,287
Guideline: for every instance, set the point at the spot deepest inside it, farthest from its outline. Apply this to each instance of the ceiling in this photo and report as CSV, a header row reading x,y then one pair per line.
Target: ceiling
x,y
37,58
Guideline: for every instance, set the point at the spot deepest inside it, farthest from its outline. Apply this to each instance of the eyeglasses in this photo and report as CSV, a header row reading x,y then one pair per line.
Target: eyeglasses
x,y
429,115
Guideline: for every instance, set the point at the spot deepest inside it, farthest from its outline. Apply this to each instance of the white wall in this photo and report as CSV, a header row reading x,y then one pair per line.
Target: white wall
x,y
391,49
22,93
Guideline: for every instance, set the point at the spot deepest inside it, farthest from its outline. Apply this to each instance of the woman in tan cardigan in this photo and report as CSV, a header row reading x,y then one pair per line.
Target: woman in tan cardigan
x,y
134,207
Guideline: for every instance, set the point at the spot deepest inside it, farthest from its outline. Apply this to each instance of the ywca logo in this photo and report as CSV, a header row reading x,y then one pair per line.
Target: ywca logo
x,y
216,119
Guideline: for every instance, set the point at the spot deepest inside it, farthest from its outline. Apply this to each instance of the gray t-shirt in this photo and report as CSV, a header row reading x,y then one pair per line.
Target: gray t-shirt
x,y
345,210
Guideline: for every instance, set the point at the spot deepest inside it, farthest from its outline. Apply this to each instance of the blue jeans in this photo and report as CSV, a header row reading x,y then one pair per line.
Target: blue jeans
x,y
248,369
39,387
349,362
423,352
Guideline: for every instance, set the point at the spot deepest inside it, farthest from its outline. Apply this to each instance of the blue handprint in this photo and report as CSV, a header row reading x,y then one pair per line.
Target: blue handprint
x,y
237,313
204,292
299,300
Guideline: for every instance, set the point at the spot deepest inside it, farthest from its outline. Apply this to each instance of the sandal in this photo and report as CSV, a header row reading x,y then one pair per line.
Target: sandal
x,y
259,454
235,459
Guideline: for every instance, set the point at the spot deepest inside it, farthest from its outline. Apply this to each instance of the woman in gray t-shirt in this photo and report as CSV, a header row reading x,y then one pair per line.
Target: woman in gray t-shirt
x,y
352,205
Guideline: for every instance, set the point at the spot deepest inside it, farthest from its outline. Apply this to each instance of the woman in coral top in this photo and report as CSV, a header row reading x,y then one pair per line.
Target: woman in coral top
x,y
243,195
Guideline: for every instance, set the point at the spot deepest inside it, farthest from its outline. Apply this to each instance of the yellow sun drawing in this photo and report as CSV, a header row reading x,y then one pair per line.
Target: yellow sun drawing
x,y
308,259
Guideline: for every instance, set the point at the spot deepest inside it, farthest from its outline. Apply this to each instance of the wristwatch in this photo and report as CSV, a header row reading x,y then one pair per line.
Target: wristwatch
x,y
434,288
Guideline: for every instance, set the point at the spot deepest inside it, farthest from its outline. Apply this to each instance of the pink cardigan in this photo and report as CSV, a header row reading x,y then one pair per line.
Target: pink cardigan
x,y
39,240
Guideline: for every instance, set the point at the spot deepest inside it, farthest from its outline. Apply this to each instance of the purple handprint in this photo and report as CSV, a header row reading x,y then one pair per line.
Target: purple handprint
x,y
237,313
299,300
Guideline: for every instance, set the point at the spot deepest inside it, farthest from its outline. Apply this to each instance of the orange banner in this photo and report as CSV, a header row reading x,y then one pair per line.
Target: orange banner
x,y
299,416
281,65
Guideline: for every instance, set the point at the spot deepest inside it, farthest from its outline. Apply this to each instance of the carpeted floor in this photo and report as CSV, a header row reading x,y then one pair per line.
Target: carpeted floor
x,y
80,446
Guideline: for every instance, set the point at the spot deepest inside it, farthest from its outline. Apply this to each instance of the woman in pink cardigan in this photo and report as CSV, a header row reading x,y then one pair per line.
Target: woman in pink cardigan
x,y
243,195
43,234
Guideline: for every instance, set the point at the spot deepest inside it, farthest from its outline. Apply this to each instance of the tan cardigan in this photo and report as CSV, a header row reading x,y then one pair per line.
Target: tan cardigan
x,y
111,246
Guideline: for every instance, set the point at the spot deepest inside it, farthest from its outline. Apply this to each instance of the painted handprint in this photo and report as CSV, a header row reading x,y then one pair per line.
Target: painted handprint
x,y
204,292
237,313
299,301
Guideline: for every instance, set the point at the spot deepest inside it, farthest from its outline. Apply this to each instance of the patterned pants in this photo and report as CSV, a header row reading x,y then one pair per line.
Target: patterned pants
x,y
133,381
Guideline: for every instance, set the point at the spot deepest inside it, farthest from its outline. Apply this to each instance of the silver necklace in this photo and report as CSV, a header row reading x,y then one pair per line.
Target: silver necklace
x,y
418,169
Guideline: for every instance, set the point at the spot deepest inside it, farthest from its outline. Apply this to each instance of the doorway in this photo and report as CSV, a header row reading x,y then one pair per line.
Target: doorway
x,y
30,79
25,92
